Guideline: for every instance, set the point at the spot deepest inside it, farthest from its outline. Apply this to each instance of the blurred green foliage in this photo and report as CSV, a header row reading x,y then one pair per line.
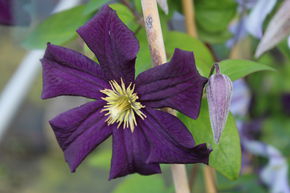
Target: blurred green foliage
x,y
142,184
57,29
213,18
94,5
245,183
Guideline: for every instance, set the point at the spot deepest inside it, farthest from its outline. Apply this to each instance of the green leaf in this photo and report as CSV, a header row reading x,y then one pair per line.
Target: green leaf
x,y
174,5
226,156
203,57
94,5
142,184
215,15
236,69
125,15
213,18
57,29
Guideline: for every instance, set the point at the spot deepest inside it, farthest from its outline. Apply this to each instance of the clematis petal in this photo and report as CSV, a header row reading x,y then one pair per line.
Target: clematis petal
x,y
5,12
113,44
66,72
173,127
166,146
80,130
130,152
176,84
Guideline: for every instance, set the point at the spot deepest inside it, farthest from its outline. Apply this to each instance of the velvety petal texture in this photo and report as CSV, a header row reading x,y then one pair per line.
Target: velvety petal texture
x,y
176,84
130,152
80,130
66,72
158,137
113,43
166,145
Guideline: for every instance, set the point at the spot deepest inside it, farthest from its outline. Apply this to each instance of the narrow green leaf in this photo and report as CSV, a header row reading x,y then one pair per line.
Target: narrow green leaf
x,y
57,29
94,5
203,57
236,69
142,184
143,61
125,15
226,156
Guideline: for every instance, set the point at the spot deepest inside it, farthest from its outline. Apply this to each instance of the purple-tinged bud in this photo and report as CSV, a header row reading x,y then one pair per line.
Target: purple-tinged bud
x,y
219,93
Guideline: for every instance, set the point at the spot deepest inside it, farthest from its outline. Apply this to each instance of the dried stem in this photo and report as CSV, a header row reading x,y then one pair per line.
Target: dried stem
x,y
154,32
188,10
215,67
193,176
158,54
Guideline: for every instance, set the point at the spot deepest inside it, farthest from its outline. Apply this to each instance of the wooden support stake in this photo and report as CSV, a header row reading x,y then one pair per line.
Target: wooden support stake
x,y
188,10
158,55
209,178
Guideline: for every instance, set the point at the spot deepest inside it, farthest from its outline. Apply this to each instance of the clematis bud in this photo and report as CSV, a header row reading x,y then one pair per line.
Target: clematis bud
x,y
219,92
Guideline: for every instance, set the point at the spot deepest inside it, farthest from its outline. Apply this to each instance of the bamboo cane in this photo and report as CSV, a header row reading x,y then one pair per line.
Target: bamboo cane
x,y
209,178
188,10
158,55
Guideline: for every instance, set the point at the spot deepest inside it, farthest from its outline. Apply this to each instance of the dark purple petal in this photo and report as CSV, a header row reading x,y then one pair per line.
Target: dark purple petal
x,y
66,72
130,152
176,84
80,130
113,44
11,10
286,103
173,127
5,12
166,146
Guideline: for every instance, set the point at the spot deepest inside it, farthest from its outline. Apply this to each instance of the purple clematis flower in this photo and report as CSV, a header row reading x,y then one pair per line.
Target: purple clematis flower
x,y
124,107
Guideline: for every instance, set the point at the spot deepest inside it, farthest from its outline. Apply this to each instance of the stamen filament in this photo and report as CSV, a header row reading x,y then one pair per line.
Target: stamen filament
x,y
122,105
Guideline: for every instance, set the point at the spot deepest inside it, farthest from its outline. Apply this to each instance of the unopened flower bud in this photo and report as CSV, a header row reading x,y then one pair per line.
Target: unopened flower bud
x,y
219,92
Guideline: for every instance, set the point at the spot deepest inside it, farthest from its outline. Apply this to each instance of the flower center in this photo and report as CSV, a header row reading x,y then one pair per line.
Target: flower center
x,y
122,106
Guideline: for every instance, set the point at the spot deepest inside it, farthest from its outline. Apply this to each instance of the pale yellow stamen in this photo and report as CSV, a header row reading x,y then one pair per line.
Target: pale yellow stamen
x,y
122,105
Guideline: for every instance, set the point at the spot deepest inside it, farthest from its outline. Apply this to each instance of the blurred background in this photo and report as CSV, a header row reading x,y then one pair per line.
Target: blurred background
x,y
32,162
